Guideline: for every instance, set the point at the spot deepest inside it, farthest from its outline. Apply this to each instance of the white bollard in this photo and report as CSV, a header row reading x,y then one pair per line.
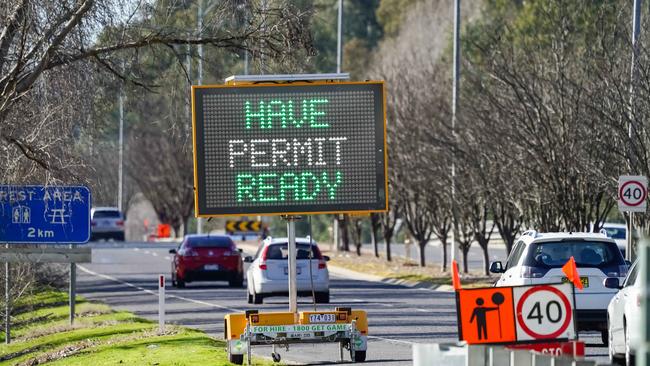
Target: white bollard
x,y
161,303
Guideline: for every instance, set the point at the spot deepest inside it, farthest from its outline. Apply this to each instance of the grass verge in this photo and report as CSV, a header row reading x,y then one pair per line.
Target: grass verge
x,y
41,334
402,269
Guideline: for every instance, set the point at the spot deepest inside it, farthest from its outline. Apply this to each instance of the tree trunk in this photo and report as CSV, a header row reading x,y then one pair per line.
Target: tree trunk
x,y
444,255
374,227
423,247
465,264
344,235
388,257
486,259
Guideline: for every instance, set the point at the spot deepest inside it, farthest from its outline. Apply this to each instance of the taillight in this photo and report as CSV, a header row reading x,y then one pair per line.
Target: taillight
x,y
322,264
533,272
263,261
190,253
120,222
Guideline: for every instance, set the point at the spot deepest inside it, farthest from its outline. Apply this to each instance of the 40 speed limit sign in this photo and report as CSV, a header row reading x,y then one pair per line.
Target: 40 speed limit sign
x,y
544,312
518,314
632,193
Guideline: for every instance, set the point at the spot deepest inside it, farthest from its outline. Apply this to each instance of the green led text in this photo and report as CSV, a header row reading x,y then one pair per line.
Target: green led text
x,y
281,114
287,186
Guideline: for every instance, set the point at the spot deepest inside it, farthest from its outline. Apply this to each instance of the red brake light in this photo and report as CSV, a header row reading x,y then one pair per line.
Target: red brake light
x,y
120,222
322,264
190,253
263,261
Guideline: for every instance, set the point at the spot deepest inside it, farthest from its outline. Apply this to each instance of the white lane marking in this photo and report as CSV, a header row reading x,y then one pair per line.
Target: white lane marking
x,y
422,310
167,258
391,340
155,293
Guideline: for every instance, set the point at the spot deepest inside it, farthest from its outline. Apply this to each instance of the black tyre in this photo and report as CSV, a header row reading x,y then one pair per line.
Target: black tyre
x,y
236,359
119,237
322,297
250,298
258,298
236,282
359,356
604,336
180,283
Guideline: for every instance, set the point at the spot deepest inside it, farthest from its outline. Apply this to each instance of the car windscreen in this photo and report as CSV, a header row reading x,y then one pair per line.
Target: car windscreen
x,y
596,254
210,242
615,232
281,251
107,215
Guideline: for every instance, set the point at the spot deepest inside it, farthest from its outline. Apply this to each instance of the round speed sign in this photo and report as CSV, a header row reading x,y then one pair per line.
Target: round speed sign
x,y
543,312
632,193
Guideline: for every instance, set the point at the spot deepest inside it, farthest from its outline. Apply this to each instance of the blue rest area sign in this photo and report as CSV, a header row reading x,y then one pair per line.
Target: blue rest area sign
x,y
44,214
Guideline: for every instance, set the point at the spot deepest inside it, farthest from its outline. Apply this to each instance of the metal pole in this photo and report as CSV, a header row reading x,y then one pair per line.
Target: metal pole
x,y
73,289
339,38
199,81
643,354
636,24
7,304
454,103
120,169
293,288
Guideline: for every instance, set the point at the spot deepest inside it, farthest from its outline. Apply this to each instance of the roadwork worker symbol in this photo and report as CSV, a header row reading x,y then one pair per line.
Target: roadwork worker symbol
x,y
479,314
485,315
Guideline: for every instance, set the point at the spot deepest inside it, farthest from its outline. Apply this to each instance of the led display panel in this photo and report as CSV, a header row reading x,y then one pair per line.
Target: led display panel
x,y
295,148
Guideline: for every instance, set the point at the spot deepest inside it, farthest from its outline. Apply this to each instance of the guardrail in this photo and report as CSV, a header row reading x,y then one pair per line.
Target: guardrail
x,y
481,355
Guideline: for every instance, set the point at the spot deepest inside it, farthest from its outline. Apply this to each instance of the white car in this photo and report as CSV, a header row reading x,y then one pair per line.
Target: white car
x,y
106,223
623,314
268,273
618,232
537,258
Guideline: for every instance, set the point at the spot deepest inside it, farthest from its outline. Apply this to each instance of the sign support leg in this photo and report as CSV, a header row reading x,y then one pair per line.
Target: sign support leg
x,y
7,305
630,230
293,286
73,290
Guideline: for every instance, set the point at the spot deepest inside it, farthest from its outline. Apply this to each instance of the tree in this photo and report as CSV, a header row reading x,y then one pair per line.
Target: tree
x,y
40,36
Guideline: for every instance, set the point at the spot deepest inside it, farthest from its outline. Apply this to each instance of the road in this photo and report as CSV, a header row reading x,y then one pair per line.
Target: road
x,y
125,277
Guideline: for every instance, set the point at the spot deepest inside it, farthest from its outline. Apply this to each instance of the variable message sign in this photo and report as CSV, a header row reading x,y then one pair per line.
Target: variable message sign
x,y
44,214
289,148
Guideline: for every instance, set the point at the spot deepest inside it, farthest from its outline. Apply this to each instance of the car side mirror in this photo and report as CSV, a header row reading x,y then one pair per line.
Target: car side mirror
x,y
326,258
248,259
612,282
172,251
240,250
496,267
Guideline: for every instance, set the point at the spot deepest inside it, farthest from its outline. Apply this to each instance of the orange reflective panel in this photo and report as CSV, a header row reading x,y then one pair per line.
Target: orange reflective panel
x,y
486,315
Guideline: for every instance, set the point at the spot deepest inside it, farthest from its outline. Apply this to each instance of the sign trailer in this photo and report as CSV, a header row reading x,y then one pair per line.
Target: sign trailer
x,y
290,145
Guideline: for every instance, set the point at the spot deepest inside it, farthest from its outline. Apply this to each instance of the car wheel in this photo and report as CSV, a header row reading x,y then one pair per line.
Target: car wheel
x,y
250,297
180,283
236,282
257,298
119,237
322,297
604,336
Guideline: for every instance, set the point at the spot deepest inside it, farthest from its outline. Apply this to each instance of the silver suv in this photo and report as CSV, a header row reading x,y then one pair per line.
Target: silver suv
x,y
107,223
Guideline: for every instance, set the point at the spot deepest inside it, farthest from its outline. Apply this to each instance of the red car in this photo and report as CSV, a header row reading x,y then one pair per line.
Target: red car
x,y
207,258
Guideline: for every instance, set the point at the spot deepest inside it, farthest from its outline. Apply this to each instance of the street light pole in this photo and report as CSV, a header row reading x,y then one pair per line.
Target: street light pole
x,y
339,38
636,24
199,26
120,169
454,104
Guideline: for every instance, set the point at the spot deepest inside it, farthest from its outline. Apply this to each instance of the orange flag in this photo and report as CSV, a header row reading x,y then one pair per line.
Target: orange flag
x,y
455,277
571,272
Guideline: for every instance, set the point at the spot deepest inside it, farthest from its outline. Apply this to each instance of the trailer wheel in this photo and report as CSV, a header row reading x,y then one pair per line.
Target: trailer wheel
x,y
358,356
236,359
